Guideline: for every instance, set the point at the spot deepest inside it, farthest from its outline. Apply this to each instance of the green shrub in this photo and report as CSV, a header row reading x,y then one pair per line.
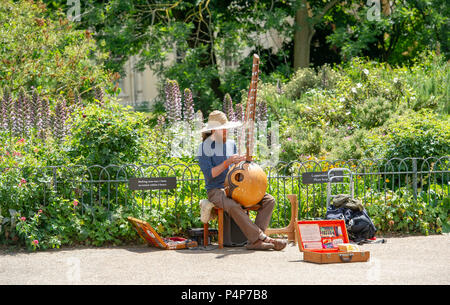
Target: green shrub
x,y
430,78
403,214
105,135
302,80
305,79
373,112
349,147
61,222
422,134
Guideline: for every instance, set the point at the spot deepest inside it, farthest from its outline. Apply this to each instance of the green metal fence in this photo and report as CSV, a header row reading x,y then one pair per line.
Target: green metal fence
x,y
374,179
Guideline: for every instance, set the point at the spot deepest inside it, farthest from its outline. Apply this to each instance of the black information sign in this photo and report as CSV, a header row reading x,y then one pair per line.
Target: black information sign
x,y
320,177
157,183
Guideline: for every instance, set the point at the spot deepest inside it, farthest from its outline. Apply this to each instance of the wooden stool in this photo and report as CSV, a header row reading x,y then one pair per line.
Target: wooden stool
x,y
220,225
289,229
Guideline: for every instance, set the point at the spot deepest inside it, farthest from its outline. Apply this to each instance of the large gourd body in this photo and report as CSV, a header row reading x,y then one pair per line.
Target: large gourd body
x,y
246,183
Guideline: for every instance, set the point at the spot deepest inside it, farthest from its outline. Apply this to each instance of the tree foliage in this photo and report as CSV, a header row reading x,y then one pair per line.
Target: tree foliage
x,y
397,34
47,52
204,44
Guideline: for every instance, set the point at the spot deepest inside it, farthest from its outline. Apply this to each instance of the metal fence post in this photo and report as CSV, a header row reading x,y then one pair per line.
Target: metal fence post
x,y
414,182
54,179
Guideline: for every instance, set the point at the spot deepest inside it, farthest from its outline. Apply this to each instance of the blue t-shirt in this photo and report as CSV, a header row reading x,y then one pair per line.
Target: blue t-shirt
x,y
210,154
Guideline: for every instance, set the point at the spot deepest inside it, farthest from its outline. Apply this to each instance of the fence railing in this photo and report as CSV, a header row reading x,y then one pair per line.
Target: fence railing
x,y
104,186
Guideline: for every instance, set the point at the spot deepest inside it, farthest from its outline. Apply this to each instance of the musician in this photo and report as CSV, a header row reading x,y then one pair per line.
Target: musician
x,y
216,154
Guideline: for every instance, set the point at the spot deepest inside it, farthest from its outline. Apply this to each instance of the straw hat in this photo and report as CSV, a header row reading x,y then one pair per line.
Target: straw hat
x,y
218,120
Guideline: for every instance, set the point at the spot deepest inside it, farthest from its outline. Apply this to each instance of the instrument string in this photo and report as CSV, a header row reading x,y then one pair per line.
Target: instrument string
x,y
250,113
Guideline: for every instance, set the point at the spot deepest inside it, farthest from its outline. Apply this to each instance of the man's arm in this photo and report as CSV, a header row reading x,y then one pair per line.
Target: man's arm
x,y
216,171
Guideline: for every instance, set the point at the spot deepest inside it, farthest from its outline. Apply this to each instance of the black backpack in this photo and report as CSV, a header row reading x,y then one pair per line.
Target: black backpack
x,y
359,225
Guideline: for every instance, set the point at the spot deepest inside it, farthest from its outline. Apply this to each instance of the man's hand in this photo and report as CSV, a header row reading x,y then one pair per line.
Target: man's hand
x,y
234,159
216,171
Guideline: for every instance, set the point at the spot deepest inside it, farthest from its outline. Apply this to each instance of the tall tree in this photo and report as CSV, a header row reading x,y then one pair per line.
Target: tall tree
x,y
308,14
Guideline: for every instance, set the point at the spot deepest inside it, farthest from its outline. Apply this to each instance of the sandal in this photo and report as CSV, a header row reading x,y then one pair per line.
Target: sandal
x,y
278,244
260,245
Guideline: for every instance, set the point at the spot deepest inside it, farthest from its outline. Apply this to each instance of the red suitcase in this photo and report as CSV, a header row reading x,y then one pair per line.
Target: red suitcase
x,y
319,240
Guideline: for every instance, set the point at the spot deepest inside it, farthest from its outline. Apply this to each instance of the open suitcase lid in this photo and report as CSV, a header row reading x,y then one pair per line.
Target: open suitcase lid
x,y
149,234
321,236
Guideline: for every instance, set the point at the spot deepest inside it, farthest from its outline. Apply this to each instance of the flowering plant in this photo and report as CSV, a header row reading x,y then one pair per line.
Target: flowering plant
x,y
28,229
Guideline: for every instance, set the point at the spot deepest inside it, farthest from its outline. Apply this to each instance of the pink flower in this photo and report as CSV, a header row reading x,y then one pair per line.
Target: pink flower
x,y
21,141
75,202
22,182
289,139
17,154
35,242
40,211
23,218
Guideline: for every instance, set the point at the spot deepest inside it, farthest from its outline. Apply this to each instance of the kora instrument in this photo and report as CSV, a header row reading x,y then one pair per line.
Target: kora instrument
x,y
246,182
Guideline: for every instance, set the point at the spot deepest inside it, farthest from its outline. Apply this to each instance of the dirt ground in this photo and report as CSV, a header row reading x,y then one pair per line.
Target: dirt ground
x,y
402,260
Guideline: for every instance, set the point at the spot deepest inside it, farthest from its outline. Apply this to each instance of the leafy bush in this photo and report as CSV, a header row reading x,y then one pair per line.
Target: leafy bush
x,y
302,80
47,53
413,134
305,79
38,212
350,147
62,222
430,78
373,112
105,135
420,134
403,214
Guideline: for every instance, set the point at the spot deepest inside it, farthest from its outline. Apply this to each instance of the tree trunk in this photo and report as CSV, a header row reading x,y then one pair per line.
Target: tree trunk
x,y
302,38
202,35
386,7
304,31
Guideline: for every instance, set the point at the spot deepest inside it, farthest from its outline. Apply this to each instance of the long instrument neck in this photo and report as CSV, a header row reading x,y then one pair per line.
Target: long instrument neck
x,y
250,111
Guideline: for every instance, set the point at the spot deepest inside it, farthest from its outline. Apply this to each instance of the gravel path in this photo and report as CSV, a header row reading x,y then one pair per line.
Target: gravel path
x,y
402,260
